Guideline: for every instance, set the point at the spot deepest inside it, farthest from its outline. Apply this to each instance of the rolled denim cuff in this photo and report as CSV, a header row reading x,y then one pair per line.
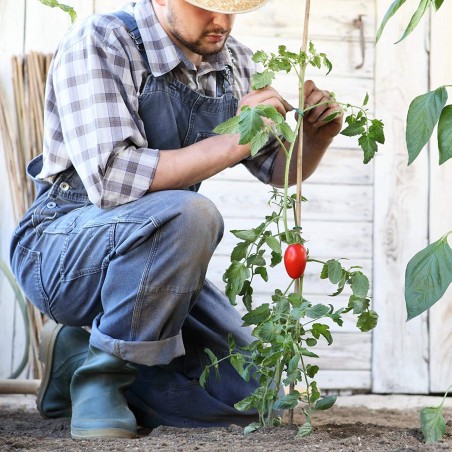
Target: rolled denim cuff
x,y
153,353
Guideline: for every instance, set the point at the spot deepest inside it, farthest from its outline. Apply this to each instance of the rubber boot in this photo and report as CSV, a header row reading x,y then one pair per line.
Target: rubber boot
x,y
62,350
99,407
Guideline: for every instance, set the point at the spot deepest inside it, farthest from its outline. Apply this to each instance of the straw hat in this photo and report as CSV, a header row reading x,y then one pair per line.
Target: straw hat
x,y
228,6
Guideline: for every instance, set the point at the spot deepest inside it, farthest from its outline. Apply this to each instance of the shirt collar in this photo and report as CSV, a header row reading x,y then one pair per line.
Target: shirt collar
x,y
162,53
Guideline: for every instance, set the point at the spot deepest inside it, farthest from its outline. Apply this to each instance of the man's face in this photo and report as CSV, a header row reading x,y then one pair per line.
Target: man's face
x,y
195,30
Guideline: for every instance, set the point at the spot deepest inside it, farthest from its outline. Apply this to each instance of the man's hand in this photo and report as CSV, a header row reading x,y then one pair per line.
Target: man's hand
x,y
265,96
314,125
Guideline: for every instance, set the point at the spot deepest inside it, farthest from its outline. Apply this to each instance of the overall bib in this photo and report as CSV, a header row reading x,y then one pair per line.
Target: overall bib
x,y
136,272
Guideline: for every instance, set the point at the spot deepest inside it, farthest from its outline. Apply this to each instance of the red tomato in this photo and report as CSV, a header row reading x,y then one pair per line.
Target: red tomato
x,y
295,260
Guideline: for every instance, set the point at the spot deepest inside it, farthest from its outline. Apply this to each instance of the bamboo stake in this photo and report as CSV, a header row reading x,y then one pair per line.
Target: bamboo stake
x,y
298,202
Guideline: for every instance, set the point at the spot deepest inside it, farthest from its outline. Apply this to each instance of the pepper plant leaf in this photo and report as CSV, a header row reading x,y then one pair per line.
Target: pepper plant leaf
x,y
445,134
433,425
395,5
423,115
427,276
417,16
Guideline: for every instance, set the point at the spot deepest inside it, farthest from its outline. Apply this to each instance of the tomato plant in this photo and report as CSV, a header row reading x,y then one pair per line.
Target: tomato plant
x,y
288,327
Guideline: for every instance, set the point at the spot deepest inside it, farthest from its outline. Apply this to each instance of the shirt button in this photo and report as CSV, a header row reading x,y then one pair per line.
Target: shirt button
x,y
64,186
51,205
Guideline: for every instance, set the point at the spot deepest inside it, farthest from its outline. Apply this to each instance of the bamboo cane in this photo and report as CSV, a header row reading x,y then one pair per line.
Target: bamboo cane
x,y
298,202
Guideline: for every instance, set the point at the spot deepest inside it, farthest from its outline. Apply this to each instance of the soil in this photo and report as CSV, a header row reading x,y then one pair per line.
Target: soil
x,y
338,429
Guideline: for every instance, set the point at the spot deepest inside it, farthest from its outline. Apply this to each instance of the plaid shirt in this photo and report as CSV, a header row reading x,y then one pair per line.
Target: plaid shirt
x,y
91,106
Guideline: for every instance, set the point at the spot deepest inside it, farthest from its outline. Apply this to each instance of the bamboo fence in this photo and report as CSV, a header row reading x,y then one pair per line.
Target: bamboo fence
x,y
23,140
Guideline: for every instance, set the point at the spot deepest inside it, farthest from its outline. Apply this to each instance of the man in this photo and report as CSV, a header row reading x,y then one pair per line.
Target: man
x,y
118,237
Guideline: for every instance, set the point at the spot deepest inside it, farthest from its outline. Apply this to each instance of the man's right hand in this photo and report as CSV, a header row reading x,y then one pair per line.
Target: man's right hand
x,y
265,96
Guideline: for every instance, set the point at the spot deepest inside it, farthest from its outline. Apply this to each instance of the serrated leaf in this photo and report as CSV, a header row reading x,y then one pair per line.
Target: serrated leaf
x,y
433,425
260,80
427,276
359,284
367,321
239,251
355,126
312,370
359,304
204,376
273,243
437,4
334,271
246,404
293,363
325,403
308,353
248,235
376,131
262,271
229,126
249,125
258,315
319,329
285,130
395,5
235,276
270,112
368,145
258,142
445,134
260,56
317,311
423,115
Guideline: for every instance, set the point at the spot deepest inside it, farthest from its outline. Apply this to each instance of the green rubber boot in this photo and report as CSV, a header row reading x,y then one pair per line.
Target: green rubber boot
x,y
99,407
62,350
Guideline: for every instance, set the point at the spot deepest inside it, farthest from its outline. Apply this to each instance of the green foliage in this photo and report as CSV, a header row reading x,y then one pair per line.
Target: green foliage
x,y
433,424
423,115
415,19
428,275
65,8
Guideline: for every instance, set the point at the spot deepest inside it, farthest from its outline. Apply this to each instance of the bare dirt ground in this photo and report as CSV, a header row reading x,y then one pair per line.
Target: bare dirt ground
x,y
343,428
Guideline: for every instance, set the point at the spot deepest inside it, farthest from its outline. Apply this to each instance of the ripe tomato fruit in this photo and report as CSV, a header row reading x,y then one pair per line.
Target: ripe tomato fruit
x,y
295,260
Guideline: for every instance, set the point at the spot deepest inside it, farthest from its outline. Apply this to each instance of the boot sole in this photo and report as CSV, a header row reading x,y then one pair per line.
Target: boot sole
x,y
102,433
48,335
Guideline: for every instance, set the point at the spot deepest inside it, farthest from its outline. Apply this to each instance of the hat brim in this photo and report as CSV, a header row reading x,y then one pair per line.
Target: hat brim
x,y
228,6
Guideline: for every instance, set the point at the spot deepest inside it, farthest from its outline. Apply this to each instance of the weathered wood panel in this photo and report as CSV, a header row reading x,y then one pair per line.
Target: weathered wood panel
x,y
400,349
440,317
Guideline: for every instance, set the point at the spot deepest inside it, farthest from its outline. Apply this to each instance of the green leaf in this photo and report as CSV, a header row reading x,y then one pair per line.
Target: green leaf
x,y
65,8
433,425
249,235
445,134
260,57
376,131
305,430
359,304
332,116
334,271
287,402
204,376
366,99
270,112
306,352
318,311
325,403
311,342
312,370
246,404
368,145
238,361
355,126
285,130
251,427
258,315
239,251
250,124
428,275
417,16
319,329
258,142
437,4
262,271
359,284
229,126
423,114
367,321
260,80
273,243
395,5
235,276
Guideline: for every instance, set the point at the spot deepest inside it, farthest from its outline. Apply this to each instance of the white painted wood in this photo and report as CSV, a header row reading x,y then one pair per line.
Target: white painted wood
x,y
344,380
400,349
440,315
11,326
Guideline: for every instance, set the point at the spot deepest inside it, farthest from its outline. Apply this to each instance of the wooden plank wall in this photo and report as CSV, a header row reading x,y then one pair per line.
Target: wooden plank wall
x,y
338,217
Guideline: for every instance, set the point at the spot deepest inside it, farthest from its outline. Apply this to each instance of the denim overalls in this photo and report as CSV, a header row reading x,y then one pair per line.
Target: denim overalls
x,y
136,272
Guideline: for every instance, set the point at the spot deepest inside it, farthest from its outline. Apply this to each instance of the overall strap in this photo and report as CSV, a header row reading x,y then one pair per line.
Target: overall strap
x,y
132,28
